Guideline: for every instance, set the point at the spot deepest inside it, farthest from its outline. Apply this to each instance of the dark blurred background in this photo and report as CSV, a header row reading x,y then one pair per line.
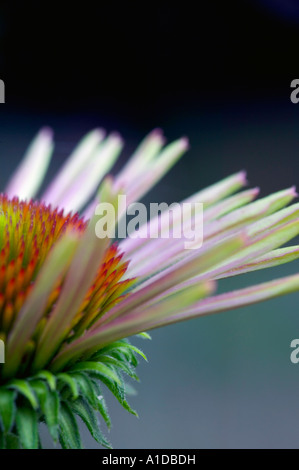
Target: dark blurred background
x,y
219,72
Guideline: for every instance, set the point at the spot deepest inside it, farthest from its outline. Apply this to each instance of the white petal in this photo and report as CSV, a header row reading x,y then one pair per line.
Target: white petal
x,y
74,165
155,170
28,177
85,185
144,154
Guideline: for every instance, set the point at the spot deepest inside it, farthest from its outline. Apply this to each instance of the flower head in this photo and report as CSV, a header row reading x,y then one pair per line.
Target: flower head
x,y
69,300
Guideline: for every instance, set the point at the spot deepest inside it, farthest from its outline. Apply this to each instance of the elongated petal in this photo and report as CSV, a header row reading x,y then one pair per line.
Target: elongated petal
x,y
28,177
218,191
250,213
158,168
236,299
157,254
208,197
131,323
256,248
84,186
269,260
79,278
144,154
55,266
229,204
281,217
72,168
143,244
175,275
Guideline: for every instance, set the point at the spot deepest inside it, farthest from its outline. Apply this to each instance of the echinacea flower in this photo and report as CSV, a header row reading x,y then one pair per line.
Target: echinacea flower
x,y
69,299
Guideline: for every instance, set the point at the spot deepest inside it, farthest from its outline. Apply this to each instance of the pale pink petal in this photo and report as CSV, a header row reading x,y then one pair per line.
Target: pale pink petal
x,y
76,162
28,177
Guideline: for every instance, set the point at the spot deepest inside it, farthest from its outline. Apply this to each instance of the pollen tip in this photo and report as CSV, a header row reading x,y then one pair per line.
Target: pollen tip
x,y
116,136
46,132
99,132
212,286
293,191
157,132
243,177
185,143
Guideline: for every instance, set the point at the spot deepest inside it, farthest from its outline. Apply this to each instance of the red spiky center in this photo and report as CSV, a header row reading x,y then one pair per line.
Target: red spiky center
x,y
28,230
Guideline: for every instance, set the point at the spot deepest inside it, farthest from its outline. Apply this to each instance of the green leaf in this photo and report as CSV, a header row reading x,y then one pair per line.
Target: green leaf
x,y
48,377
144,335
137,351
49,403
119,345
70,382
7,409
11,441
24,389
82,408
86,386
27,427
97,367
120,351
119,393
40,389
69,436
51,411
101,404
121,365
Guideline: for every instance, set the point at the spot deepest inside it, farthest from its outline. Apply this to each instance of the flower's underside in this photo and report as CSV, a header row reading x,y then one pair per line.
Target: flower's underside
x,y
68,299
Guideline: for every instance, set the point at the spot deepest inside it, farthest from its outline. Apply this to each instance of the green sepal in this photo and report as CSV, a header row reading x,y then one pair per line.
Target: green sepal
x,y
11,441
24,389
119,364
67,380
69,436
27,427
86,388
49,404
7,409
101,403
119,393
83,409
48,377
101,369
